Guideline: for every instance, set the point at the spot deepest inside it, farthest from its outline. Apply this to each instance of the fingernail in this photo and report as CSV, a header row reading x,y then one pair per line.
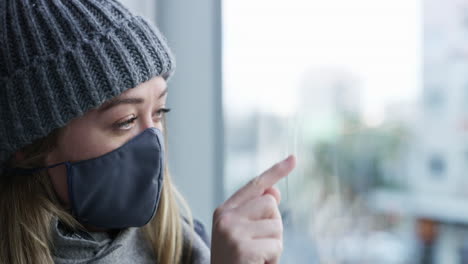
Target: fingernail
x,y
286,160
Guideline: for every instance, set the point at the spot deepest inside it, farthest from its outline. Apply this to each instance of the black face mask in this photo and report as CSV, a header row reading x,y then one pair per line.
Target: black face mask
x,y
121,188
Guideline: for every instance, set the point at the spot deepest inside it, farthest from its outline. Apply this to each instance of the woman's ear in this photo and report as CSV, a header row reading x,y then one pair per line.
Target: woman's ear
x,y
51,157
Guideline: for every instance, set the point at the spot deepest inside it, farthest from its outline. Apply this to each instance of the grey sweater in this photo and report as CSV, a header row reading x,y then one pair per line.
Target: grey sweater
x,y
128,246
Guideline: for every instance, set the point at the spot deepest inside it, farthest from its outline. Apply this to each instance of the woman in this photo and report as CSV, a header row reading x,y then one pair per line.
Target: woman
x,y
83,176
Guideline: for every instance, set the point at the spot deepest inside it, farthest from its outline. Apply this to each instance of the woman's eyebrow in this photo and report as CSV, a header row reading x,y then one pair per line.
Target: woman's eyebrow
x,y
118,101
163,93
131,100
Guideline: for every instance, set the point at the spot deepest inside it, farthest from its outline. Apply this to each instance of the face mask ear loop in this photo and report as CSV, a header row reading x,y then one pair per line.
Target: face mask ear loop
x,y
25,171
70,188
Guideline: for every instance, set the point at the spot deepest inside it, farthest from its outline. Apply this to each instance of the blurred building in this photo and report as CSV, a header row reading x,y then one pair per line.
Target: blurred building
x,y
439,154
437,172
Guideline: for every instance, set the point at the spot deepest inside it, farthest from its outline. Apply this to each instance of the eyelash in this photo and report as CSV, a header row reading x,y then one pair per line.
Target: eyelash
x,y
131,120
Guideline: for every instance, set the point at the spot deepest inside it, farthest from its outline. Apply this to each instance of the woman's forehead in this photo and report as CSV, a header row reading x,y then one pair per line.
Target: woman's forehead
x,y
156,84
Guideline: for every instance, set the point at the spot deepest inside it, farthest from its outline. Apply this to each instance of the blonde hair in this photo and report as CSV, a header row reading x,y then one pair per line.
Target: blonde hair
x,y
28,205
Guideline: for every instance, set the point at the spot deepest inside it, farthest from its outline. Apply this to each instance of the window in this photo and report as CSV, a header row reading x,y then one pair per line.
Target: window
x,y
338,83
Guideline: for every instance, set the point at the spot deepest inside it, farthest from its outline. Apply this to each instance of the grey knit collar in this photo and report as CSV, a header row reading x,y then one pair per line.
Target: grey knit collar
x,y
128,246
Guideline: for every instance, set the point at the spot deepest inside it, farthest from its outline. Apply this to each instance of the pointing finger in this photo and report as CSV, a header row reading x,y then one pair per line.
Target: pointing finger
x,y
260,184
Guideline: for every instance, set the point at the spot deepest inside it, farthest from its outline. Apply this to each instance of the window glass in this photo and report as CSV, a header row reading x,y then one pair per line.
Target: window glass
x,y
371,97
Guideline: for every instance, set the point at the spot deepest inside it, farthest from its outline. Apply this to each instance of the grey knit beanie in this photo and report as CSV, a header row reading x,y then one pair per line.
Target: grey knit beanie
x,y
60,58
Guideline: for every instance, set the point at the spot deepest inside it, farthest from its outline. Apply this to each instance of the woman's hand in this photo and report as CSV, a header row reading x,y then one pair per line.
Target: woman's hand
x,y
247,228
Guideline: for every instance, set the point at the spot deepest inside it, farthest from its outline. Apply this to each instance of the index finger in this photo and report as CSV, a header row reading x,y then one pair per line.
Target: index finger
x,y
259,184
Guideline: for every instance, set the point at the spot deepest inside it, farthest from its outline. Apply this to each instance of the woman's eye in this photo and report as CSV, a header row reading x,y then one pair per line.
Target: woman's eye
x,y
127,124
161,112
